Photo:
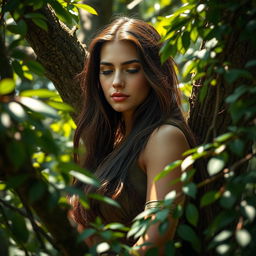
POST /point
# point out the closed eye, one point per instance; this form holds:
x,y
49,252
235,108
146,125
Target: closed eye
x,y
106,72
133,70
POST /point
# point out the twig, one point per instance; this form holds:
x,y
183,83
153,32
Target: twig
x,y
13,208
221,174
226,170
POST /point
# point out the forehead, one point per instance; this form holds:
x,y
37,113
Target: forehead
x,y
118,51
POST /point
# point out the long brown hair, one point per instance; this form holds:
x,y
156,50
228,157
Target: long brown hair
x,y
100,127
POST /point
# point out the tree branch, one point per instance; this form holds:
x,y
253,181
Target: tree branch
x,y
61,54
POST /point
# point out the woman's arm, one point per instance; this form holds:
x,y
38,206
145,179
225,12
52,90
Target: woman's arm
x,y
165,145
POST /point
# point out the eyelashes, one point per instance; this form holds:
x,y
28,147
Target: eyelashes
x,y
106,72
129,70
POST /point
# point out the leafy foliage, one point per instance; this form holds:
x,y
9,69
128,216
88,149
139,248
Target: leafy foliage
x,y
36,131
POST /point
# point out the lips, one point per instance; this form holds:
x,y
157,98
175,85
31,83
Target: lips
x,y
118,96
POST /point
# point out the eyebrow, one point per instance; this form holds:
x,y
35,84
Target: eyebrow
x,y
123,63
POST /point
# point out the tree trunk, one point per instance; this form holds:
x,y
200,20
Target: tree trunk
x,y
61,54
211,118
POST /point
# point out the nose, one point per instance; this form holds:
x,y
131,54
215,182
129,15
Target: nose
x,y
118,80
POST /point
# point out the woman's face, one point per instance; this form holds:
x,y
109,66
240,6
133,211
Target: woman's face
x,y
121,76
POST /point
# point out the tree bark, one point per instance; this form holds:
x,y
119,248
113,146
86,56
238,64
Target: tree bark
x,y
61,54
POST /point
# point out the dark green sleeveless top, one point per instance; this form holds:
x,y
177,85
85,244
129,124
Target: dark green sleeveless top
x,y
132,198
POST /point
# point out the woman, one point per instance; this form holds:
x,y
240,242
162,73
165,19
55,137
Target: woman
x,y
131,126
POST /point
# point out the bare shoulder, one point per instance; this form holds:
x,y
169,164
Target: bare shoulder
x,y
165,144
167,132
167,135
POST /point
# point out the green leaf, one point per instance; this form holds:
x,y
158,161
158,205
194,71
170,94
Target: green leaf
x,y
40,23
18,54
186,40
102,247
152,251
66,167
224,137
250,63
106,234
63,14
18,227
161,215
225,218
17,181
104,199
237,146
179,45
215,165
163,227
16,153
169,249
167,170
84,178
41,93
36,67
190,189
222,236
232,75
10,6
167,50
243,237
136,226
141,231
187,176
239,91
146,213
209,198
227,200
194,34
18,68
192,214
85,234
87,8
20,28
116,226
7,85
16,111
188,67
39,4
34,15
38,106
188,234
36,191
61,106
